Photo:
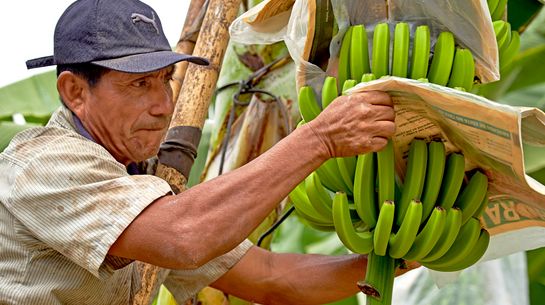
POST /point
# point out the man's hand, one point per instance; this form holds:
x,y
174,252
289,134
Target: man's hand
x,y
355,124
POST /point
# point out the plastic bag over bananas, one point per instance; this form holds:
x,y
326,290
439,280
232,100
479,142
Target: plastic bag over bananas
x,y
311,22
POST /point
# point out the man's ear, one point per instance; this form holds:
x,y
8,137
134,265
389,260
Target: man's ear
x,y
74,90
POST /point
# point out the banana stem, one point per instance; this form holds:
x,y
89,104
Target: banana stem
x,y
379,279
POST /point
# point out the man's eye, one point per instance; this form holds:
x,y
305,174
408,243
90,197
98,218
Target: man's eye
x,y
140,83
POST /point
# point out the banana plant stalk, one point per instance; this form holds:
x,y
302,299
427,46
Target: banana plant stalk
x,y
379,279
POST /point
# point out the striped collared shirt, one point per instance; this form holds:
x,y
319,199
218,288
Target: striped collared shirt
x,y
64,200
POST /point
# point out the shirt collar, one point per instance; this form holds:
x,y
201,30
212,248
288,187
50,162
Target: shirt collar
x,y
132,168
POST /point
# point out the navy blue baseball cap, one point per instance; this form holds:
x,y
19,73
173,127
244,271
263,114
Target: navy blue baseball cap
x,y
123,35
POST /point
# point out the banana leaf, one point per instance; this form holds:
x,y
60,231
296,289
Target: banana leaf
x,y
8,130
520,12
35,98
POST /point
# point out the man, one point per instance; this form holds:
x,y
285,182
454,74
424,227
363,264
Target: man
x,y
73,220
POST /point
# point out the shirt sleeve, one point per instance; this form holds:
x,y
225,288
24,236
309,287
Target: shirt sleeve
x,y
183,284
77,199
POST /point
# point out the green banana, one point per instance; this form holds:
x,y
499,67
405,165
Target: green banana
x,y
308,105
318,196
381,50
483,205
359,55
383,228
329,91
506,58
348,84
316,225
492,4
386,173
434,176
331,177
461,248
357,242
452,180
400,243
400,59
471,197
499,11
364,189
473,257
443,55
343,69
347,167
414,177
367,77
448,236
304,208
502,30
429,236
463,70
421,52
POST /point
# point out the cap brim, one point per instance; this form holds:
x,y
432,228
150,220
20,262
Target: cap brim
x,y
40,62
138,63
148,62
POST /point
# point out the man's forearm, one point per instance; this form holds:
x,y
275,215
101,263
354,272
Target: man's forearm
x,y
306,279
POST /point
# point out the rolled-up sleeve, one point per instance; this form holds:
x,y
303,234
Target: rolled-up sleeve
x,y
183,284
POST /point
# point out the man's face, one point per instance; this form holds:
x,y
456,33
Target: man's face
x,y
129,114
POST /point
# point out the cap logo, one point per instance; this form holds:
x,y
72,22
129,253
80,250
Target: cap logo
x,y
139,17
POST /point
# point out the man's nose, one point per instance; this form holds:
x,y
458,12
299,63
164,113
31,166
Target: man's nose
x,y
162,100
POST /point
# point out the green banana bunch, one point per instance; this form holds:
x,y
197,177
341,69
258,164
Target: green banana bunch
x,y
431,216
449,65
449,239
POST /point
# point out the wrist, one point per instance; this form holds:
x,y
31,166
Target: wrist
x,y
319,141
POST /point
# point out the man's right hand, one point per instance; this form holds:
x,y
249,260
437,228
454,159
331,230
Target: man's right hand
x,y
355,124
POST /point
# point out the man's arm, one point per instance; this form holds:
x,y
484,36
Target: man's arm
x,y
270,278
305,278
191,228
